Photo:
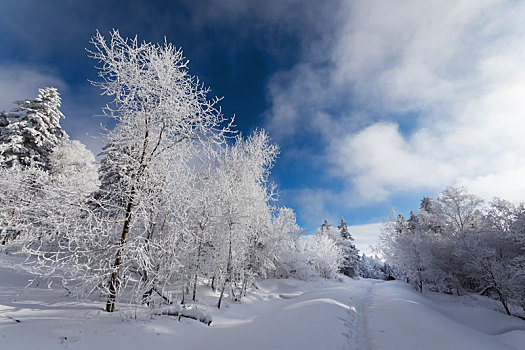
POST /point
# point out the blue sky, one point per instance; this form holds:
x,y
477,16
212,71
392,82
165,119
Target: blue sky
x,y
373,103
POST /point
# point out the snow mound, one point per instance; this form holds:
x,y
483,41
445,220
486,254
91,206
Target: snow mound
x,y
289,295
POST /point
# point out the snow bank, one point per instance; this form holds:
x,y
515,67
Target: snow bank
x,y
401,318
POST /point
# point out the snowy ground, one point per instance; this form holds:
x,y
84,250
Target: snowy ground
x,y
283,314
398,317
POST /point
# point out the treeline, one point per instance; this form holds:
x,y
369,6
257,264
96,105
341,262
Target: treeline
x,y
456,243
177,202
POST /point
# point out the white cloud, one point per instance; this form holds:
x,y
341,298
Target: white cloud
x,y
366,237
442,86
21,82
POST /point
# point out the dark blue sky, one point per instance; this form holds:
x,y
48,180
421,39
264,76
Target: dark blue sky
x,y
235,58
369,101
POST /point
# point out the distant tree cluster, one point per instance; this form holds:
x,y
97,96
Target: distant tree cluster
x,y
333,251
177,201
373,267
456,243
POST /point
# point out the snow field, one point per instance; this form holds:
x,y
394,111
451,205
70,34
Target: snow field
x,y
281,314
359,314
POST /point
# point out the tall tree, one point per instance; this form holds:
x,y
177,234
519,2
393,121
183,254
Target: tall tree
x,y
350,261
326,228
28,136
457,209
159,107
244,209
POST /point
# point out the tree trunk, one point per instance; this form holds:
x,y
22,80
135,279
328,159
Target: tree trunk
x,y
115,278
194,288
228,269
183,301
244,286
222,294
196,271
503,301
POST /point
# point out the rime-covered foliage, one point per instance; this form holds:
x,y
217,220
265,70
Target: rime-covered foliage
x,y
178,201
44,176
20,202
29,134
40,210
161,110
343,240
326,256
456,243
72,165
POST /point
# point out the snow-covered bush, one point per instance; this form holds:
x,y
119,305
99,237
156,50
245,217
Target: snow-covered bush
x,y
74,166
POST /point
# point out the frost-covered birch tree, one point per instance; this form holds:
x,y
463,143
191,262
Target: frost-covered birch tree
x,y
245,194
158,106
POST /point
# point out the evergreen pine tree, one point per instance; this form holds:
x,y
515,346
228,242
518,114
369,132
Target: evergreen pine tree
x,y
350,262
325,229
29,135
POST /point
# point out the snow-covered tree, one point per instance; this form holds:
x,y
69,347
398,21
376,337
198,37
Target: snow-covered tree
x,y
159,108
28,136
327,229
37,204
291,258
349,265
457,209
493,253
325,256
345,243
73,165
244,210
20,202
373,267
405,247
